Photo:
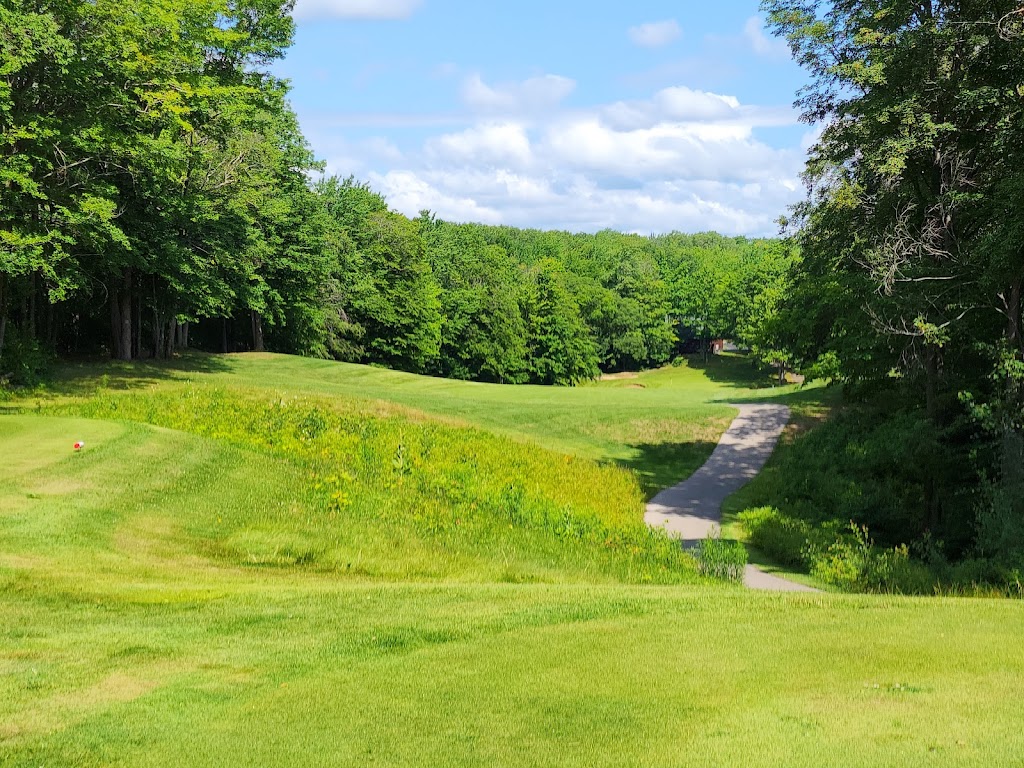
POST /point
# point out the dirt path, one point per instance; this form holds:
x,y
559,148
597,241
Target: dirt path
x,y
692,510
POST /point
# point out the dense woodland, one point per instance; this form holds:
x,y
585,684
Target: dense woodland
x,y
157,193
910,280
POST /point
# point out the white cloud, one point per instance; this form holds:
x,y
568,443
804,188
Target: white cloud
x,y
676,103
579,203
382,148
666,151
410,193
355,9
762,44
655,34
681,102
489,143
536,93
682,159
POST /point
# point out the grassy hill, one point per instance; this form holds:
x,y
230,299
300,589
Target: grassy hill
x,y
663,424
254,562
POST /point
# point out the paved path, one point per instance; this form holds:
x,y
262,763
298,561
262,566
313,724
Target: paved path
x,y
692,510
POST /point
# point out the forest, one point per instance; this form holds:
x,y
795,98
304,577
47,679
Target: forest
x,y
160,196
908,290
157,193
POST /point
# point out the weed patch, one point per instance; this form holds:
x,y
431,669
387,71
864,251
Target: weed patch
x,y
723,559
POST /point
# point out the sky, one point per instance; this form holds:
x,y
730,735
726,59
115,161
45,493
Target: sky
x,y
644,116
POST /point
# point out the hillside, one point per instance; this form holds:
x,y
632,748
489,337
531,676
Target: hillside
x,y
661,423
206,579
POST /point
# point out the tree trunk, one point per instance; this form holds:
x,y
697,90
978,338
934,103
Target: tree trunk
x,y
931,485
3,311
31,325
51,325
172,329
1013,316
137,335
257,331
157,330
224,335
184,335
123,298
931,381
115,324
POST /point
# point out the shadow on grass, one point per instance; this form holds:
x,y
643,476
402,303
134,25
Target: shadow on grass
x,y
804,399
740,372
77,377
733,370
661,465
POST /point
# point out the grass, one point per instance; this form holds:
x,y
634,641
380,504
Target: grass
x,y
663,424
191,597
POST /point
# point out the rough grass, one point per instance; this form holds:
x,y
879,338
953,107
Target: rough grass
x,y
277,482
184,597
663,431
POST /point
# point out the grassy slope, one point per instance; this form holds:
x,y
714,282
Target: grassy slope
x,y
131,635
662,424
127,639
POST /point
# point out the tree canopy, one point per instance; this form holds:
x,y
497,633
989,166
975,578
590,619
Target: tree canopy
x,y
909,283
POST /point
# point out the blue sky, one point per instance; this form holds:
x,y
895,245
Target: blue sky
x,y
645,116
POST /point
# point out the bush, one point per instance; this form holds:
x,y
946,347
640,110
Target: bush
x,y
871,466
781,538
23,360
1001,514
722,559
853,562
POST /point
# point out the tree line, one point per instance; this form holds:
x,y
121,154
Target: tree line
x,y
910,280
156,195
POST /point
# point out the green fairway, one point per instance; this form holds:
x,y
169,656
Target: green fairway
x,y
136,632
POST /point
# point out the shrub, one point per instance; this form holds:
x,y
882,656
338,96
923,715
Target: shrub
x,y
781,538
23,360
722,559
853,562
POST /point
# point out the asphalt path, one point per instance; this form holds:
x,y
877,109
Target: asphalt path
x,y
692,510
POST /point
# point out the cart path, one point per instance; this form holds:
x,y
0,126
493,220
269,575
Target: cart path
x,y
692,510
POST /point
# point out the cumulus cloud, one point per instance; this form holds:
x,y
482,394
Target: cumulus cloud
x,y
411,193
762,44
536,93
682,159
579,202
355,9
667,151
487,144
655,34
678,103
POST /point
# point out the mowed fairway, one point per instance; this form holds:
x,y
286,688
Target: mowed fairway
x,y
137,630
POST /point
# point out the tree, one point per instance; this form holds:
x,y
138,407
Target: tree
x,y
390,293
483,334
561,350
912,196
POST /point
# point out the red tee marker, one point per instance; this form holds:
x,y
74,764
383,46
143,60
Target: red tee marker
x,y
79,445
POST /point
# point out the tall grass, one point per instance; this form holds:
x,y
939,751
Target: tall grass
x,y
404,474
